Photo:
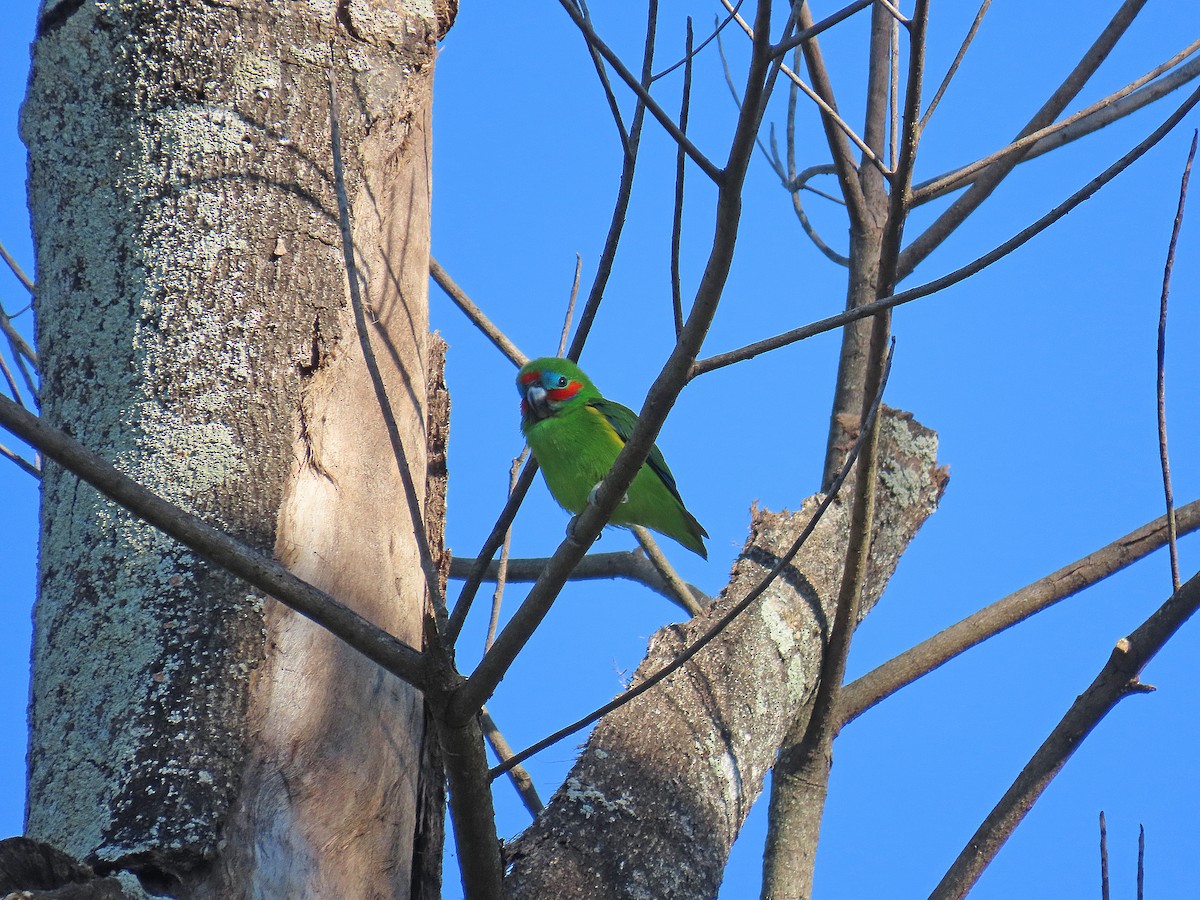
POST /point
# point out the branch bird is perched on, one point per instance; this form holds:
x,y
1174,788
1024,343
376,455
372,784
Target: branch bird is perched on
x,y
575,435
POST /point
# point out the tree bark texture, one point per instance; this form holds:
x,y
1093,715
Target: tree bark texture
x,y
654,802
195,327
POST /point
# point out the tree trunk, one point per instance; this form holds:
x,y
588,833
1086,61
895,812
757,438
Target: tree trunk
x,y
656,798
195,328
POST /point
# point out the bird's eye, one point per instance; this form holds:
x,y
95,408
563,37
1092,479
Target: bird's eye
x,y
562,381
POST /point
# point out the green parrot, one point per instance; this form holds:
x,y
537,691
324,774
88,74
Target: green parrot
x,y
575,435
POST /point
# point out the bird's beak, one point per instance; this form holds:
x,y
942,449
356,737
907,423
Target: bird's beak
x,y
535,398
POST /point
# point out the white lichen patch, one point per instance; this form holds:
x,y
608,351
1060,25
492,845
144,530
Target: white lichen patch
x,y
592,801
783,636
183,459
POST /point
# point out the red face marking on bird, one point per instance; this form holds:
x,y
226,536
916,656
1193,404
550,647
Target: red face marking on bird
x,y
544,392
559,394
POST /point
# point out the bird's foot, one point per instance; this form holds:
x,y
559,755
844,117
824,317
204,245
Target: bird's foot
x,y
591,498
575,537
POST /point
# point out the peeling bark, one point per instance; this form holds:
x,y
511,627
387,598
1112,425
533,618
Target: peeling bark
x,y
674,773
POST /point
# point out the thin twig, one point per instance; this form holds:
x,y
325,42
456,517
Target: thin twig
x,y
690,54
1131,97
826,109
609,95
931,287
896,14
491,544
721,624
517,774
950,73
894,95
1117,679
839,144
1104,892
1164,458
733,91
989,180
12,382
1141,863
679,588
20,347
19,272
631,565
918,661
616,225
21,350
566,329
800,183
417,517
217,547
810,31
502,566
475,314
641,91
677,219
21,462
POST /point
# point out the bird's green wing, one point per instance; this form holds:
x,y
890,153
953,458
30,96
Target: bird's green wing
x,y
624,420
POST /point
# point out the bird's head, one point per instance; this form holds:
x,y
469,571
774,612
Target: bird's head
x,y
549,386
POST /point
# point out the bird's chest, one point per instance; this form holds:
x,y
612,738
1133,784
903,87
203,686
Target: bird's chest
x,y
575,453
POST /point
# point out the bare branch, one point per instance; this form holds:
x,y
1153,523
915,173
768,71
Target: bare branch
x,y
620,207
916,662
677,219
566,329
811,30
1104,893
12,382
1141,863
893,94
609,95
502,566
21,462
895,13
517,774
679,588
20,347
471,809
19,272
737,100
690,54
642,92
466,596
800,183
982,262
987,181
627,564
828,111
1164,458
958,58
217,547
1116,680
839,144
475,314
1091,118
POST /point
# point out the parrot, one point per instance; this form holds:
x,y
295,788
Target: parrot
x,y
575,435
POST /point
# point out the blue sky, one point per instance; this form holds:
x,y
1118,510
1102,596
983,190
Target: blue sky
x,y
1038,375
